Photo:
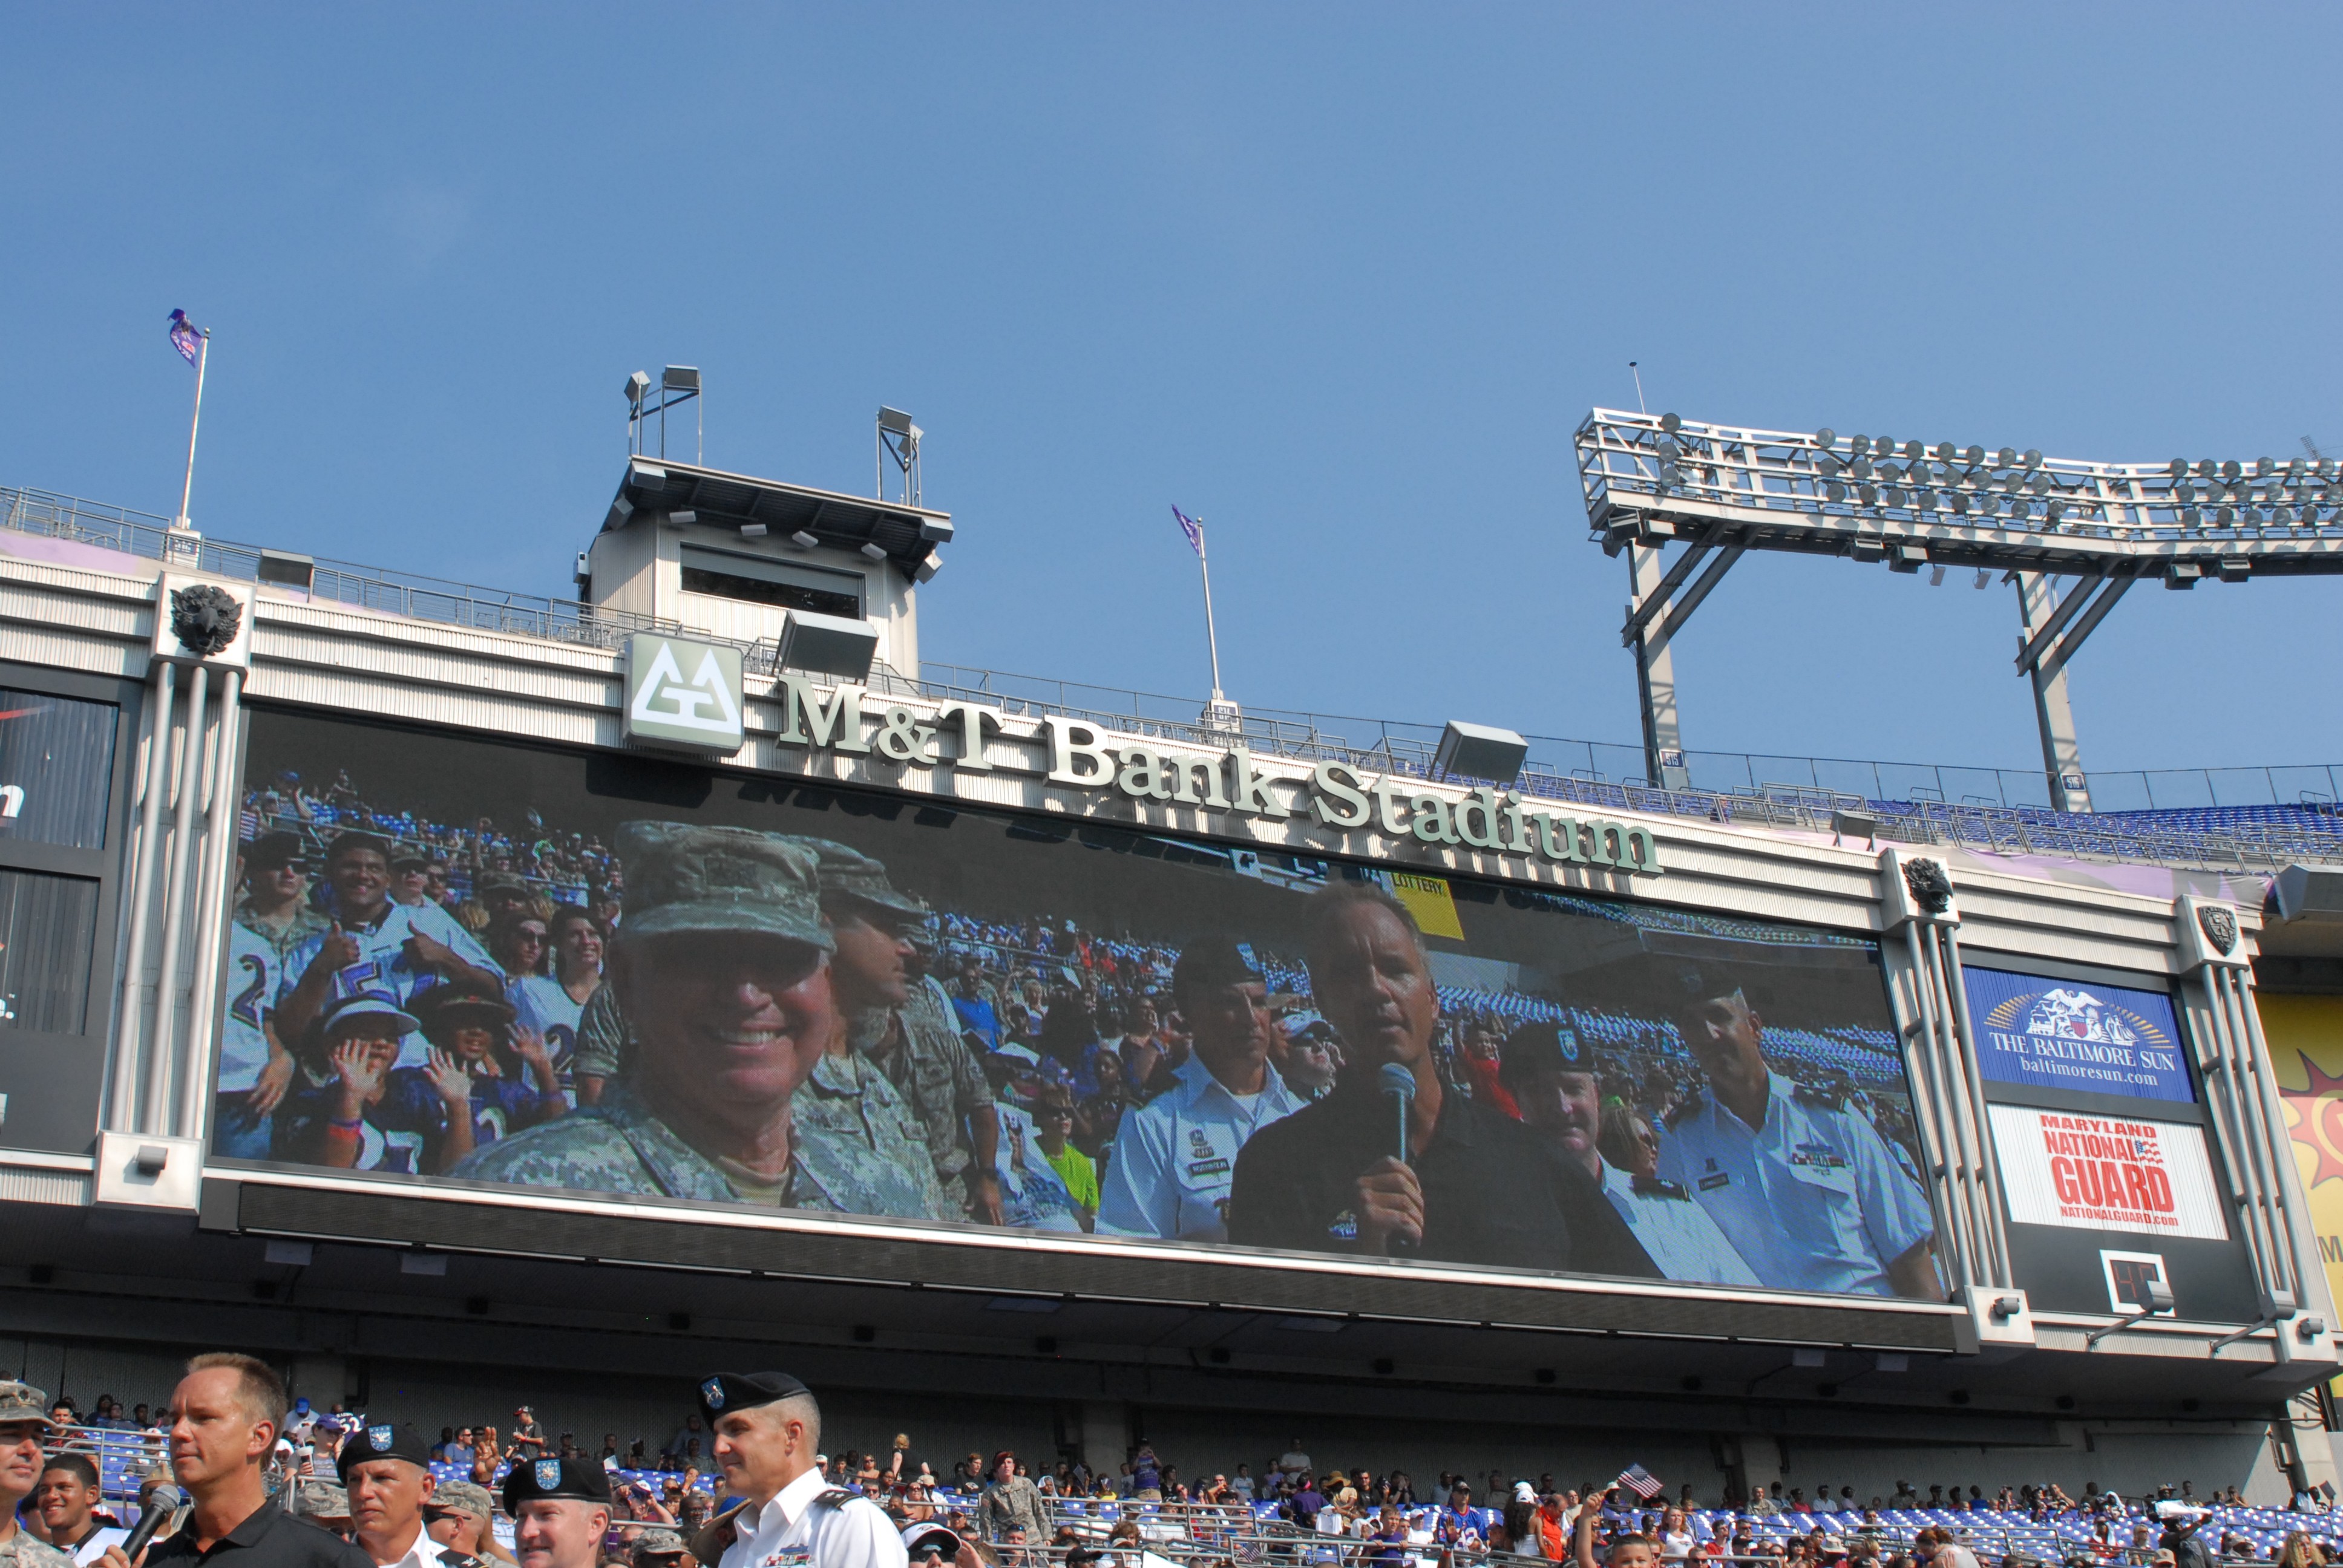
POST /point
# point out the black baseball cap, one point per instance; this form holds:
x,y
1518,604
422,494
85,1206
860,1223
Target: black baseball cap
x,y
382,1440
272,851
720,1392
539,1480
1215,961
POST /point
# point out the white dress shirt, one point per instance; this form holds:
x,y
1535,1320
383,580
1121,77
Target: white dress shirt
x,y
1175,1157
423,1554
791,1532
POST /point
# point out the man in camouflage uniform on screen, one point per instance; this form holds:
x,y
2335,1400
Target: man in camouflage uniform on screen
x,y
722,969
900,1022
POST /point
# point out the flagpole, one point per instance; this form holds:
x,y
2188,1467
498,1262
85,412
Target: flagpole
x,y
1212,633
187,490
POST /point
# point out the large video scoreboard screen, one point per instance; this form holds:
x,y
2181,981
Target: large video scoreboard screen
x,y
472,960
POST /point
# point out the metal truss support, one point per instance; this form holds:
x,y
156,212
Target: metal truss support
x,y
2051,633
1658,606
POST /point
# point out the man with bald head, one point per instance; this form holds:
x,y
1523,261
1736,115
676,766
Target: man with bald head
x,y
1470,1186
767,1434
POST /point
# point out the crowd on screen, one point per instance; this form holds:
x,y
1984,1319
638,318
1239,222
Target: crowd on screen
x,y
1017,1512
404,994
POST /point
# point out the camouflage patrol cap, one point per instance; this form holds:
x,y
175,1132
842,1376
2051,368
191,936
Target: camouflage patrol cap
x,y
23,1401
684,877
462,1497
323,1500
658,1542
849,873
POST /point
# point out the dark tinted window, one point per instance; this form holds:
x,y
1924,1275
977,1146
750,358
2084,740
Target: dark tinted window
x,y
56,768
48,925
789,596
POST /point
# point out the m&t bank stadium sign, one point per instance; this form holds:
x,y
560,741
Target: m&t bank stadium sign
x,y
1229,780
2063,1034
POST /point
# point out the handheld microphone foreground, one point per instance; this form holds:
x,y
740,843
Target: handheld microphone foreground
x,y
1398,1085
162,1504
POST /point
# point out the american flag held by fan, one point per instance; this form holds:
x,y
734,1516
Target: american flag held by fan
x,y
1641,1481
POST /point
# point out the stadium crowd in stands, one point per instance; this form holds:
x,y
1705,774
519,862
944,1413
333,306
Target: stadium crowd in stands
x,y
1017,1511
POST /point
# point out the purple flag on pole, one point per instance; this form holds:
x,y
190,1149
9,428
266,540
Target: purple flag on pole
x,y
186,337
1192,529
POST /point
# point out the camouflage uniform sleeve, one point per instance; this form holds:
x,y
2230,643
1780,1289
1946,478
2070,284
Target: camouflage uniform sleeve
x,y
603,1036
580,1154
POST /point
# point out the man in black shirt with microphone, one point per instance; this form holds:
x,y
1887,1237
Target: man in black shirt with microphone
x,y
224,1417
1469,1187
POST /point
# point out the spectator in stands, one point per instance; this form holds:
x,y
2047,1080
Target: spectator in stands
x,y
1053,1128
272,919
400,947
69,1504
1306,1055
1811,1192
2181,1536
459,1451
1475,1187
721,969
1011,1502
337,1117
510,1072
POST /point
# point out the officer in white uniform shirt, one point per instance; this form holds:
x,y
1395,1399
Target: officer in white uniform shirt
x,y
561,1510
387,1473
1801,1181
768,1439
1175,1157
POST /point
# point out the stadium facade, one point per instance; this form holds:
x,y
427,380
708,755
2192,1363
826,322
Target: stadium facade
x,y
2041,1201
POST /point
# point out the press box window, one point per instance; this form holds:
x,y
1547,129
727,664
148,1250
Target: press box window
x,y
56,768
48,930
757,581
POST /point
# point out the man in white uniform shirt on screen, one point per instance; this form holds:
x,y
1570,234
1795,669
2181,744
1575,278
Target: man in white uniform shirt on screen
x,y
1175,1157
374,944
1800,1182
767,1431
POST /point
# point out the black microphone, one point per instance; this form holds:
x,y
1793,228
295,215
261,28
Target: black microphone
x,y
164,1502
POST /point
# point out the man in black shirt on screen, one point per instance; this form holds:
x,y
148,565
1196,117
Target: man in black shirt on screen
x,y
1474,1187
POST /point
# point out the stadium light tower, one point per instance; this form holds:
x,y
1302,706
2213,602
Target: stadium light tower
x,y
1651,481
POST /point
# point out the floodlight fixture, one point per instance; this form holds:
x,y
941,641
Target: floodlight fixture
x,y
690,517
753,530
874,551
1936,576
638,385
681,379
895,420
898,437
1650,482
803,540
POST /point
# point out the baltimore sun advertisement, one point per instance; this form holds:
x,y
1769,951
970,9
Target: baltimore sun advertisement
x,y
470,960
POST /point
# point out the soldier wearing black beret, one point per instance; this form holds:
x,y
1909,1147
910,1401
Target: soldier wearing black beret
x,y
767,1431
387,1473
560,1510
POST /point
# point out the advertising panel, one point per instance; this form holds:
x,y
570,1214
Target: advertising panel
x,y
2064,1035
2106,1173
2306,1047
475,961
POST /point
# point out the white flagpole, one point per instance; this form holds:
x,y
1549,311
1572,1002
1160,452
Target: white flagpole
x,y
1212,633
186,491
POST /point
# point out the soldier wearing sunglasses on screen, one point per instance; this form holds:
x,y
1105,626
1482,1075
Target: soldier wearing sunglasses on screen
x,y
1800,1181
722,970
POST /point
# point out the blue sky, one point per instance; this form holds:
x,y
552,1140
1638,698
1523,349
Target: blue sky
x,y
1341,280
